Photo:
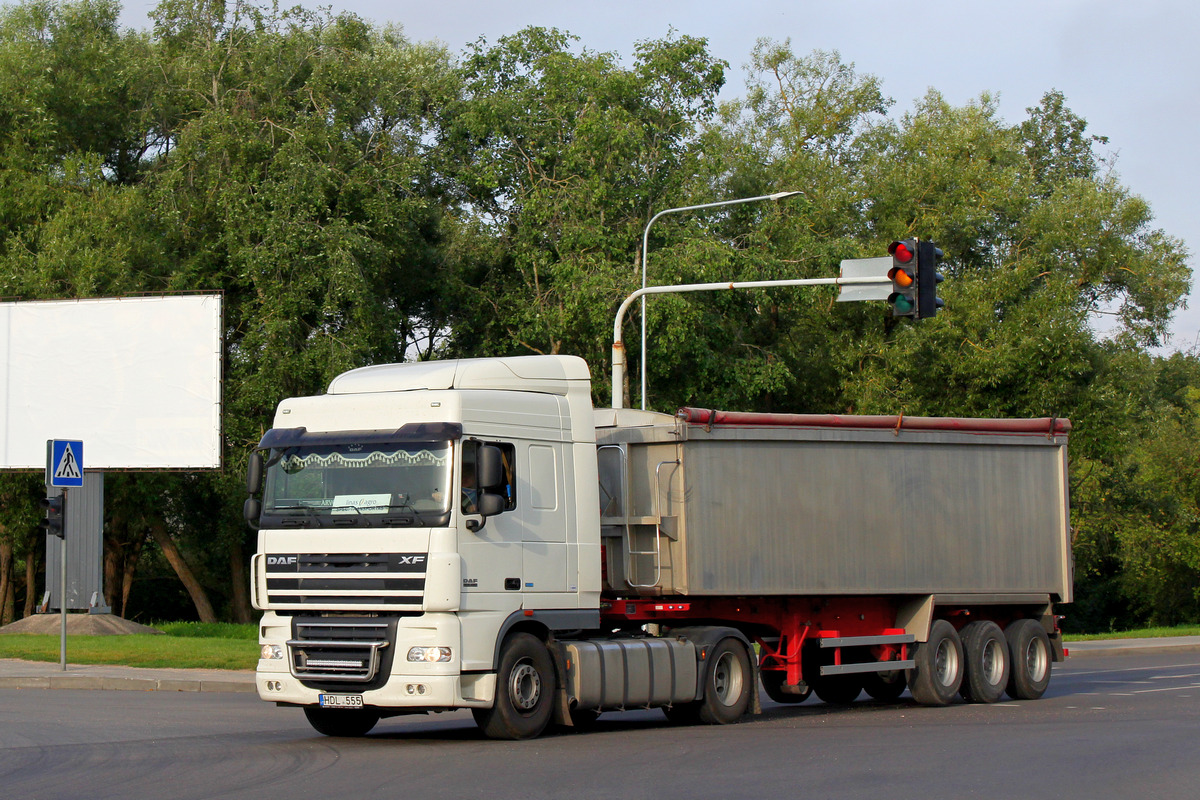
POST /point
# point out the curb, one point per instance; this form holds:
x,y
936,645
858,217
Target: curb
x,y
86,682
1113,647
20,674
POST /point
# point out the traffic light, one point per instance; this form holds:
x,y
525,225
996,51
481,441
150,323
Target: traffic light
x,y
56,511
904,276
928,278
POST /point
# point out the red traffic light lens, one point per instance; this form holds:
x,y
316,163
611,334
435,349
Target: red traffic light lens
x,y
900,252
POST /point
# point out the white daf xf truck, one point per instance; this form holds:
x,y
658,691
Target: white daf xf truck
x,y
473,534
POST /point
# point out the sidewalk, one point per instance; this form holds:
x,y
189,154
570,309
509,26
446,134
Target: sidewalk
x,y
18,674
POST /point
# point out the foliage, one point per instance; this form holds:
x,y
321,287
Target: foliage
x,y
207,630
358,198
559,157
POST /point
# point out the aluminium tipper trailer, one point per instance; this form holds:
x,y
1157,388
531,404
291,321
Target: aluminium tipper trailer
x,y
831,538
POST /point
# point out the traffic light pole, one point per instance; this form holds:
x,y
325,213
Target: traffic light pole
x,y
618,346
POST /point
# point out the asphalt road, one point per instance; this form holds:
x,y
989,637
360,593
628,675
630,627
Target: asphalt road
x,y
1114,726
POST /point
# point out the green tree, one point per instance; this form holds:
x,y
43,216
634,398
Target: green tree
x,y
561,157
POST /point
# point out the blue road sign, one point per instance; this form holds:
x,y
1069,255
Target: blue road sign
x,y
64,463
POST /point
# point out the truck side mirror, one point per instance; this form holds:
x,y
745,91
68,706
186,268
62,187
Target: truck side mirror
x,y
490,504
489,467
254,473
252,510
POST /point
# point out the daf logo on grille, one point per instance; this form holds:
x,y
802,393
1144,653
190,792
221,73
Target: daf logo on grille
x,y
282,561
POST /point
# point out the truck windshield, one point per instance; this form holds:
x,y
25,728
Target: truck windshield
x,y
359,485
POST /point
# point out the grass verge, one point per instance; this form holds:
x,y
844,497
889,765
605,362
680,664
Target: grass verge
x,y
1141,633
184,645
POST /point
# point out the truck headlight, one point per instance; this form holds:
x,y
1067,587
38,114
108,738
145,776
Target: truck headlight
x,y
429,654
271,651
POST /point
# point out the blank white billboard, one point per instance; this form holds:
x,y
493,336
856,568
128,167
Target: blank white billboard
x,y
136,379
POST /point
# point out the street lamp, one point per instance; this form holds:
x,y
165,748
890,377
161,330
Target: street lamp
x,y
618,345
645,247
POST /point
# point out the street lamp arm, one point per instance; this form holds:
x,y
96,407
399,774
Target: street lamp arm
x,y
646,248
618,346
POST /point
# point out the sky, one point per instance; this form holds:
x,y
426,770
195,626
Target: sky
x,y
1132,70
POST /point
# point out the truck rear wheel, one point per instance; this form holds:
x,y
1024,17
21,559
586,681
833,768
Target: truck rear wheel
x,y
938,673
886,686
348,722
1031,658
987,662
838,690
525,686
772,683
728,683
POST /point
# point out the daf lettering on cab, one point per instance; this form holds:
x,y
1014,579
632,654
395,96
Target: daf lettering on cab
x,y
473,534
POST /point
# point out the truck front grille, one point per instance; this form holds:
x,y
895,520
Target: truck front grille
x,y
338,650
346,580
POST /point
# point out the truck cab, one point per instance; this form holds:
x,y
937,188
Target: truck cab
x,y
411,519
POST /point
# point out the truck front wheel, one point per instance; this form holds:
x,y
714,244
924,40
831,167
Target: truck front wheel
x,y
525,686
341,721
938,673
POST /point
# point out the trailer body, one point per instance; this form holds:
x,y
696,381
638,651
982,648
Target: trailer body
x,y
808,505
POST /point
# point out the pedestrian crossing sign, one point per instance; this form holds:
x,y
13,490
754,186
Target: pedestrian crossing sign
x,y
64,464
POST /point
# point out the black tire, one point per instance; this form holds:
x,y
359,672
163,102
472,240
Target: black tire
x,y
582,720
1029,647
772,683
985,650
525,686
837,690
938,673
728,684
683,713
347,722
885,686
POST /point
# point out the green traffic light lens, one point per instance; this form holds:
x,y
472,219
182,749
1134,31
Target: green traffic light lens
x,y
904,304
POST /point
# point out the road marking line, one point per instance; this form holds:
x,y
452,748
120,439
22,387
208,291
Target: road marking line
x,y
1167,689
1069,671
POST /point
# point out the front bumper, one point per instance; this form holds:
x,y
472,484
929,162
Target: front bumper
x,y
363,657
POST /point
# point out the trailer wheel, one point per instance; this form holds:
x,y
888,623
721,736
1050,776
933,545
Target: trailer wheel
x,y
885,686
838,690
525,686
938,673
727,684
347,722
1031,658
987,662
772,683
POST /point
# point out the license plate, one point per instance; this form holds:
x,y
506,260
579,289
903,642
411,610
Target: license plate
x,y
340,700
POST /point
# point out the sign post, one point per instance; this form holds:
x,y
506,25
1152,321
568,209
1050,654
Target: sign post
x,y
64,469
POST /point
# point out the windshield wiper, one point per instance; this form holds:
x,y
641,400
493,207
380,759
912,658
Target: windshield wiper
x,y
309,513
404,520
344,520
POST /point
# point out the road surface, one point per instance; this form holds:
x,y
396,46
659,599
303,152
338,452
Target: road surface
x,y
1111,726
